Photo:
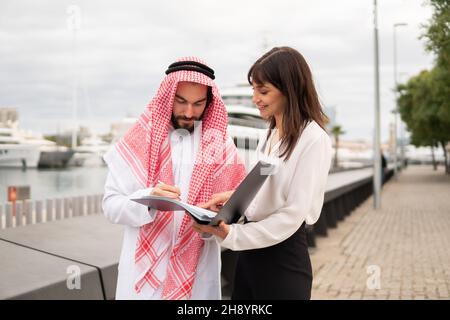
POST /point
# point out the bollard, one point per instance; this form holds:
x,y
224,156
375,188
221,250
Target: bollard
x,y
1,217
28,212
75,209
338,209
9,215
320,227
98,203
347,204
19,213
310,237
330,214
81,205
58,209
90,204
49,210
39,211
94,204
67,207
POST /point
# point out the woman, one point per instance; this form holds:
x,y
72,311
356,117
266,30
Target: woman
x,y
273,260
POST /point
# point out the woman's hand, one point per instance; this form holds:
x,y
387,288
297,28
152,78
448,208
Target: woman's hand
x,y
217,201
221,230
214,204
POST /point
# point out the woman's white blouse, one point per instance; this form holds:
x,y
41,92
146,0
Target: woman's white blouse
x,y
293,194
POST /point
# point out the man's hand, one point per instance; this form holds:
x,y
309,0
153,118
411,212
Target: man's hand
x,y
221,230
166,190
217,201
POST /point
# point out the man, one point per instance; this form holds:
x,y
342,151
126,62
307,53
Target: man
x,y
178,148
383,168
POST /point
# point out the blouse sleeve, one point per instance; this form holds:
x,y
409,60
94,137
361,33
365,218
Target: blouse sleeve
x,y
304,200
119,208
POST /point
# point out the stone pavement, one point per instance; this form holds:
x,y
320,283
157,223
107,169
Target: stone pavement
x,y
400,252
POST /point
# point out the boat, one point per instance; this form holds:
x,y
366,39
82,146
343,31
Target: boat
x,y
55,158
240,94
246,128
52,155
90,152
15,152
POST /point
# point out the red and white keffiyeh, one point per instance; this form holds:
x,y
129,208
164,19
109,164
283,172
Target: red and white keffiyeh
x,y
217,168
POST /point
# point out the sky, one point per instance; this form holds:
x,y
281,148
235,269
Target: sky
x,y
122,49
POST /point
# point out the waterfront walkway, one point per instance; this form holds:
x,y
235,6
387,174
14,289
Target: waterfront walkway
x,y
399,252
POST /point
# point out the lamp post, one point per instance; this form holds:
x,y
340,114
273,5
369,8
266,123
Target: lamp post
x,y
396,25
376,141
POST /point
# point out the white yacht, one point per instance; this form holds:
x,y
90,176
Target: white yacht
x,y
245,123
351,158
90,152
52,155
15,152
240,94
246,128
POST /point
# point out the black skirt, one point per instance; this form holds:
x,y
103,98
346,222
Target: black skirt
x,y
281,271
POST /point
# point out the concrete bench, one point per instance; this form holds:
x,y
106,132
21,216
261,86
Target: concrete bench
x,y
29,274
88,241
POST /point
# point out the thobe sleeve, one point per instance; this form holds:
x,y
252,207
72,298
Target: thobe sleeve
x,y
207,237
118,207
305,199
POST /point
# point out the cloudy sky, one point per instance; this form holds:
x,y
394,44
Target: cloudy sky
x,y
124,47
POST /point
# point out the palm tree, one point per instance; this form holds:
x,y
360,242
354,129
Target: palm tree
x,y
336,131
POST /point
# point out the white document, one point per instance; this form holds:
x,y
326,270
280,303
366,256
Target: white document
x,y
201,215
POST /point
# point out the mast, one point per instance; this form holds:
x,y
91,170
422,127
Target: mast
x,y
74,24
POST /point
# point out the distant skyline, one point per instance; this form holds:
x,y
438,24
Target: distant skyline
x,y
123,49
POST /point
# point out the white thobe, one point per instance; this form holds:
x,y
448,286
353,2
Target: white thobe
x,y
121,186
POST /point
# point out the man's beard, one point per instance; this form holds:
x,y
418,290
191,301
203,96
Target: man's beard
x,y
177,125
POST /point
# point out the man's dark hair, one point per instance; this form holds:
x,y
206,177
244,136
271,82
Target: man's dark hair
x,y
209,96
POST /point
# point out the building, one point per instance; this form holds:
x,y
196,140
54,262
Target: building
x,y
8,116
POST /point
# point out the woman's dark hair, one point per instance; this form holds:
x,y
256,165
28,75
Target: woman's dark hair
x,y
286,69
